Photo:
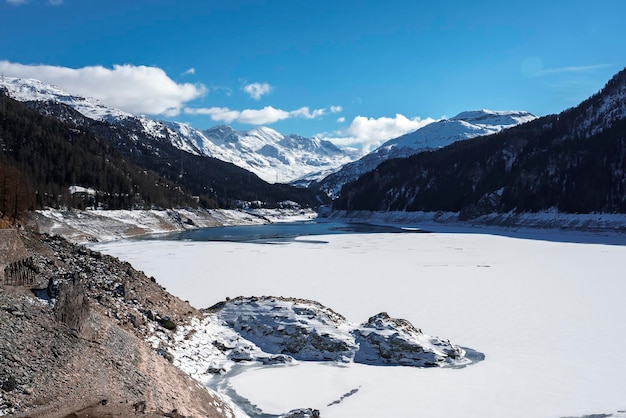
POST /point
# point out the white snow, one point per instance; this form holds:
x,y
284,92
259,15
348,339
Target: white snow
x,y
107,225
465,125
272,156
278,158
80,189
547,313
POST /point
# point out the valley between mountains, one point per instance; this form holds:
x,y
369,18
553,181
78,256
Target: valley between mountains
x,y
515,286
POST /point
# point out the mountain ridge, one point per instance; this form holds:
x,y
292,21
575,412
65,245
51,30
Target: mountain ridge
x,y
573,162
280,161
465,125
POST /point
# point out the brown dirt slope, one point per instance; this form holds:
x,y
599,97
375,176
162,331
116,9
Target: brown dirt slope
x,y
86,355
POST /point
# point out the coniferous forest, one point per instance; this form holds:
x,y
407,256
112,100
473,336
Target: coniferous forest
x,y
43,157
574,162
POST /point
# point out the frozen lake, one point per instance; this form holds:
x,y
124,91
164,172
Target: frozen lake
x,y
548,314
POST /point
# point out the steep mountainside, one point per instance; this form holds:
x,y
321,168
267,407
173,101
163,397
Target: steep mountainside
x,y
278,158
436,135
42,158
76,346
574,162
123,165
263,151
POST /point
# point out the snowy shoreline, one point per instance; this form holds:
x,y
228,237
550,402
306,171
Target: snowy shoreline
x,y
82,226
101,226
591,222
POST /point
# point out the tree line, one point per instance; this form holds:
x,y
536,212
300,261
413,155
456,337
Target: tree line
x,y
574,162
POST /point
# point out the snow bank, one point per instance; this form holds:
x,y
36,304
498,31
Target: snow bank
x,y
590,222
108,225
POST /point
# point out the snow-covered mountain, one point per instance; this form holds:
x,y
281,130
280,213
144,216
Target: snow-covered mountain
x,y
571,162
438,134
272,156
277,158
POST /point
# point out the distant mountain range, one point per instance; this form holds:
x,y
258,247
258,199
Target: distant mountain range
x,y
274,157
53,156
436,135
573,162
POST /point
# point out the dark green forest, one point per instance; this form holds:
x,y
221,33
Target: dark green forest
x,y
42,157
50,156
574,162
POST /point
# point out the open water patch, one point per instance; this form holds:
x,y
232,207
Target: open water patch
x,y
279,233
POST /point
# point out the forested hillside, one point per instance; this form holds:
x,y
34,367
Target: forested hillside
x,y
43,157
217,183
574,162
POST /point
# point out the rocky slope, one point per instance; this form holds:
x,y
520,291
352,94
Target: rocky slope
x,y
77,346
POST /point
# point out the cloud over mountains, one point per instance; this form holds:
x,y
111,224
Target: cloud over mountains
x,y
141,89
135,89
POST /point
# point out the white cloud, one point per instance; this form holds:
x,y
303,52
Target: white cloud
x,y
218,114
256,90
135,89
336,109
341,119
368,133
572,69
190,71
55,2
265,116
305,113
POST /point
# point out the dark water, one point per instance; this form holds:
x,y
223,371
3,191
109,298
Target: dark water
x,y
279,231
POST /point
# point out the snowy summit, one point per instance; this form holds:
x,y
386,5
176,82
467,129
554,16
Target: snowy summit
x,y
274,157
465,125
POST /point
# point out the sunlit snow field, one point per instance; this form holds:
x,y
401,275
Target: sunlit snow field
x,y
549,316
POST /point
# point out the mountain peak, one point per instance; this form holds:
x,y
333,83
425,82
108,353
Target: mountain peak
x,y
465,125
32,90
261,150
495,117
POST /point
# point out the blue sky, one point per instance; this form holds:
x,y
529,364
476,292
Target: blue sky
x,y
357,72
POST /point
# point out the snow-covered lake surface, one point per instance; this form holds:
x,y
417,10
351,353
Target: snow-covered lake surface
x,y
547,309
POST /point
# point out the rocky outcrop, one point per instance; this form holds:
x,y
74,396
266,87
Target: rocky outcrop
x,y
383,340
302,413
306,330
302,329
72,305
273,330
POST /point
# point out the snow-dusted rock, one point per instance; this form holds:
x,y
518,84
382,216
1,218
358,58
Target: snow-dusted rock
x,y
388,341
275,330
305,330
302,413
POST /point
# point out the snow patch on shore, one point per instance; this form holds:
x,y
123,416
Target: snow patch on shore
x,y
108,225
